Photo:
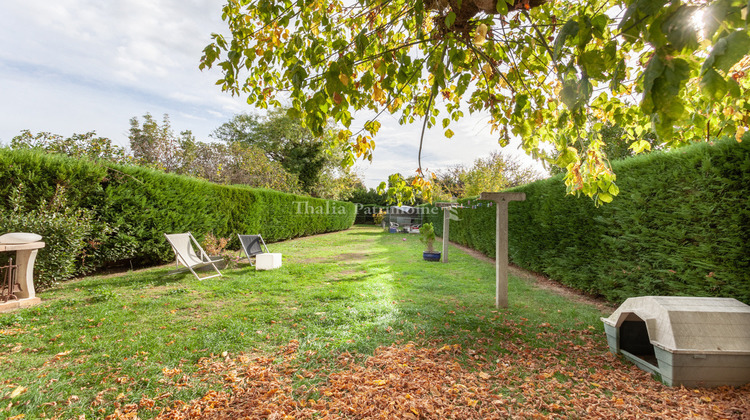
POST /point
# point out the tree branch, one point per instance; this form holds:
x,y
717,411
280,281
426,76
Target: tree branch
x,y
433,91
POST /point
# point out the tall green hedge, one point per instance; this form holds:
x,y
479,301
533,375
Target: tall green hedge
x,y
680,226
135,206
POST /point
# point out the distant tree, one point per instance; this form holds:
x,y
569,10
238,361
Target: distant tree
x,y
336,183
496,173
362,195
448,184
493,173
155,145
78,145
233,164
285,140
240,128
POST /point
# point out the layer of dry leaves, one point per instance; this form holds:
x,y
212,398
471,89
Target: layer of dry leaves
x,y
411,382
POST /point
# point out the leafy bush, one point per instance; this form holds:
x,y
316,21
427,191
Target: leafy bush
x,y
63,229
678,227
427,236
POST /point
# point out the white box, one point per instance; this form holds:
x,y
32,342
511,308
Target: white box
x,y
267,261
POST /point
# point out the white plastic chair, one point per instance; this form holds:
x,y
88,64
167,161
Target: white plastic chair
x,y
182,245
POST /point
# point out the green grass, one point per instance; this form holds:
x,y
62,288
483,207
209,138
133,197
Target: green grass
x,y
104,342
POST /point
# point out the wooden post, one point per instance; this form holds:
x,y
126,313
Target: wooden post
x,y
446,232
501,242
446,226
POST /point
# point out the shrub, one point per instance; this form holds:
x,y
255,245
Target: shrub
x,y
62,228
427,237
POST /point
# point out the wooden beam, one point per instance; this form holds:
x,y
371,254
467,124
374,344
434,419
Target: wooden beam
x,y
501,242
446,226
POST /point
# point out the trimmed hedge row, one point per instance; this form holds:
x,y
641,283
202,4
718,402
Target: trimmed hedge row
x,y
137,206
680,226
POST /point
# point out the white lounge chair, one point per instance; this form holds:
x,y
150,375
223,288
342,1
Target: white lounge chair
x,y
182,245
252,245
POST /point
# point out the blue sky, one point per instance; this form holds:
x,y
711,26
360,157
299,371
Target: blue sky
x,y
73,66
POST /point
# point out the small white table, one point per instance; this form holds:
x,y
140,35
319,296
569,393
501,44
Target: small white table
x,y
25,258
267,261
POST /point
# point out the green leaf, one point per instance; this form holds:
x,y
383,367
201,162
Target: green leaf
x,y
594,63
568,156
502,7
715,13
650,7
599,23
712,85
585,32
450,19
639,146
729,50
522,101
653,71
569,94
605,197
361,41
679,29
618,76
570,29
734,89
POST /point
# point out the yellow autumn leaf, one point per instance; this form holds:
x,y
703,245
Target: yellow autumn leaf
x,y
344,79
481,35
18,391
482,30
395,104
378,95
379,67
379,382
487,69
738,135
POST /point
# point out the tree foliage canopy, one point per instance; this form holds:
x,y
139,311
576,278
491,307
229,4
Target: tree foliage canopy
x,y
551,72
285,140
78,145
495,172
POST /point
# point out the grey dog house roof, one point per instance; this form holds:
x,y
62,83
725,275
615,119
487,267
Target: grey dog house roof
x,y
689,324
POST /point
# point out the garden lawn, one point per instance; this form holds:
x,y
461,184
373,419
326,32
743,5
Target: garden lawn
x,y
354,325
